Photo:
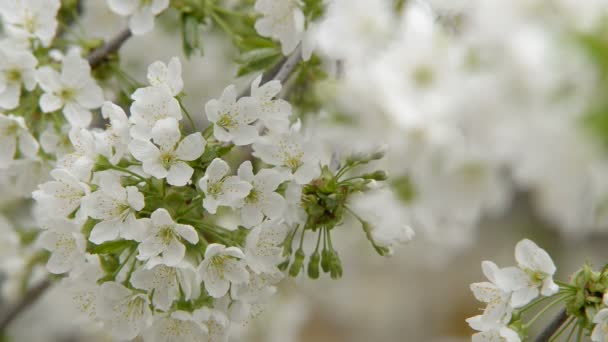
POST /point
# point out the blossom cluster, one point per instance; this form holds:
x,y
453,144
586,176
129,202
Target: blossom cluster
x,y
511,288
155,228
511,292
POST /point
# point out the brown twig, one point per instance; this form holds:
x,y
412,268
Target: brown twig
x,y
29,298
99,55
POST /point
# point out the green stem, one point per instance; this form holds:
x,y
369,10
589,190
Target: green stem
x,y
122,169
579,336
538,301
124,263
187,115
571,333
543,310
562,329
564,284
318,240
302,238
226,11
224,26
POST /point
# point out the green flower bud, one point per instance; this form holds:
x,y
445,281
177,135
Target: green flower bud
x,y
283,266
298,262
325,260
335,266
313,265
378,175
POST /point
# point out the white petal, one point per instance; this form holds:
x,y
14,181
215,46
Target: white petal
x,y
142,21
191,147
91,96
251,216
135,198
77,115
174,253
187,232
245,135
530,256
123,7
28,145
161,217
179,174
104,231
50,102
245,171
523,296
217,170
165,133
213,249
48,79
143,150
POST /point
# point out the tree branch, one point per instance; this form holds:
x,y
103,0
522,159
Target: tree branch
x,y
552,328
99,55
29,298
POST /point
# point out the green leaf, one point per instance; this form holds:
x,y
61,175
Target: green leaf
x,y
250,43
112,247
191,37
257,60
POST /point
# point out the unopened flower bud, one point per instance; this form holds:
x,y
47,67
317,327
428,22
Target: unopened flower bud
x,y
313,265
298,262
378,175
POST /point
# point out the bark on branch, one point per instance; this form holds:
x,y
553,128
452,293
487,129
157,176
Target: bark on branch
x,y
29,298
99,55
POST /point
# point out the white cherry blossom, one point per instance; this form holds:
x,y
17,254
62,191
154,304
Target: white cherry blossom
x,y
17,69
167,282
282,20
537,263
291,152
498,310
113,142
221,267
125,313
73,89
141,13
600,331
167,159
169,75
115,206
30,19
262,200
150,105
163,241
500,333
232,119
14,136
80,162
62,196
176,326
216,321
263,248
221,189
275,112
66,244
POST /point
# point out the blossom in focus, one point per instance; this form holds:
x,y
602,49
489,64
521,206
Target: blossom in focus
x,y
73,89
